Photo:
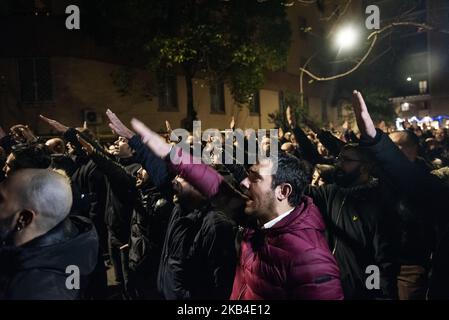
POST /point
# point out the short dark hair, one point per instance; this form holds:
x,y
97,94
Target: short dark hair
x,y
363,153
35,156
293,171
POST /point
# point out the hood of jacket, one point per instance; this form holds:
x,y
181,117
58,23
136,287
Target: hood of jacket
x,y
72,242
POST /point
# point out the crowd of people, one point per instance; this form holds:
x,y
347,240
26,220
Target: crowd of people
x,y
334,215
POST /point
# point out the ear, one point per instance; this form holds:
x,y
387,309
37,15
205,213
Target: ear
x,y
26,217
283,191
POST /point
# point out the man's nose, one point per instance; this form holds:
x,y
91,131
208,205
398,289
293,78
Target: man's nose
x,y
245,183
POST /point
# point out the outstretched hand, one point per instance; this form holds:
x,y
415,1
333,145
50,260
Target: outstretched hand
x,y
232,123
87,147
118,127
55,124
168,126
154,141
362,116
22,133
290,114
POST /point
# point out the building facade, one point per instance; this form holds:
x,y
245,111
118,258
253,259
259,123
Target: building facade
x,y
47,69
428,96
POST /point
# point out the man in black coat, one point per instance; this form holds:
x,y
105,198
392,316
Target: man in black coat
x,y
424,192
361,225
44,255
199,255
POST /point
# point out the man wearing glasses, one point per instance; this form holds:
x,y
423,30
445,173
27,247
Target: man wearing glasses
x,y
360,227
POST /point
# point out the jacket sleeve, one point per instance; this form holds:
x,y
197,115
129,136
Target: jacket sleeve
x,y
320,196
70,136
97,186
219,244
211,185
330,142
204,178
156,167
123,184
314,275
310,153
386,241
404,174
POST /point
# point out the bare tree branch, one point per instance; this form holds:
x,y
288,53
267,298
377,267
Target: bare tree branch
x,y
337,12
373,36
344,74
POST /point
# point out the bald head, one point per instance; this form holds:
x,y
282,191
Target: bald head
x,y
45,192
56,145
408,142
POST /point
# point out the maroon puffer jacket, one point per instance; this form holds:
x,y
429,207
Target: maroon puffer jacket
x,y
293,261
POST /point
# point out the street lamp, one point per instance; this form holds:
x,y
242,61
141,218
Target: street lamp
x,y
409,79
346,37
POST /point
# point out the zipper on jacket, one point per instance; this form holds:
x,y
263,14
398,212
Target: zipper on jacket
x,y
336,223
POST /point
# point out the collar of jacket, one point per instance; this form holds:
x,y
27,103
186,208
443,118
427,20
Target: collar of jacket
x,y
195,213
294,220
127,161
59,233
80,159
361,188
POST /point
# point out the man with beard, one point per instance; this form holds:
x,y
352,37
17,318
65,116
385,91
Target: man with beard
x,y
360,222
38,239
360,225
286,255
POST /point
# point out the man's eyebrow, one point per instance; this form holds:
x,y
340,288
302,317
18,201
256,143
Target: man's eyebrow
x,y
256,173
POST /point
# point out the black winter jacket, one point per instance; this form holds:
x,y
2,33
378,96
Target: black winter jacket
x,y
199,253
199,256
361,229
426,194
37,269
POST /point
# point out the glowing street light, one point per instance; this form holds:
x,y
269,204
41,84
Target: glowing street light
x,y
346,37
409,79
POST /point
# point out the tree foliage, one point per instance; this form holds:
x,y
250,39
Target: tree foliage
x,y
233,42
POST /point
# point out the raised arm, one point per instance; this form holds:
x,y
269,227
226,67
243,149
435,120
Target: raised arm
x,y
205,179
123,183
70,135
310,153
406,175
153,164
